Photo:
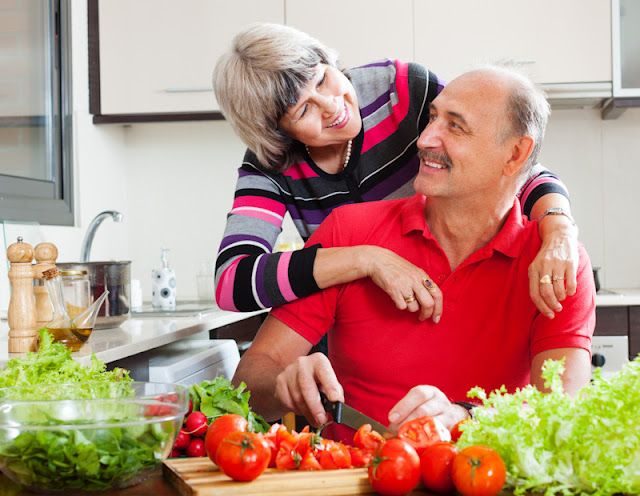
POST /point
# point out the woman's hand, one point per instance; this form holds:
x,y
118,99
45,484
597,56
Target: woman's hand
x,y
298,384
557,259
408,286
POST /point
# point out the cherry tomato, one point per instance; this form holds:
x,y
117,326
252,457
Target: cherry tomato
x,y
456,432
422,432
365,437
395,468
219,429
478,471
243,456
334,455
360,457
435,466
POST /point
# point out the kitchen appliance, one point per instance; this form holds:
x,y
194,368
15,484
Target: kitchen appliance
x,y
114,277
344,414
192,361
609,354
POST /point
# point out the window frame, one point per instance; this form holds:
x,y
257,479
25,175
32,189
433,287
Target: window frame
x,y
34,200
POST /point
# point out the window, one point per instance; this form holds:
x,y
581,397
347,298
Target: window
x,y
35,112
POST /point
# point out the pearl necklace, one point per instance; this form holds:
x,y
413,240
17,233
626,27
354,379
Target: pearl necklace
x,y
346,158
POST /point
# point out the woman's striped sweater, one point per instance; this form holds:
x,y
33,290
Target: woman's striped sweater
x,y
394,102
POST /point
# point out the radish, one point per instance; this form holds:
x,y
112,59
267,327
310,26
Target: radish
x,y
175,453
190,407
196,448
197,424
182,441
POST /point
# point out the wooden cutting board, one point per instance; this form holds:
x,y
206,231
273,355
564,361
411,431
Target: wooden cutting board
x,y
201,477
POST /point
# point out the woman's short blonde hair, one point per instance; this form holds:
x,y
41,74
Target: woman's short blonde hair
x,y
259,78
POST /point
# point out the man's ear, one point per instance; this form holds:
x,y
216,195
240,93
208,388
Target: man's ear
x,y
520,152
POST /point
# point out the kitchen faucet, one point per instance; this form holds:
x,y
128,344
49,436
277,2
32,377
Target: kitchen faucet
x,y
91,231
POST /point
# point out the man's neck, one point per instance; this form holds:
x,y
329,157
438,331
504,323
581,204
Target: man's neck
x,y
461,227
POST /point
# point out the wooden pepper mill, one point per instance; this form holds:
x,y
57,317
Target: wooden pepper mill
x,y
22,311
46,255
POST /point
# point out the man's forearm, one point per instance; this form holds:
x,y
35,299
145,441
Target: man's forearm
x,y
259,373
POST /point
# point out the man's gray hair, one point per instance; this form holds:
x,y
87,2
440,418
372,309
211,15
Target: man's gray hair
x,y
527,109
261,76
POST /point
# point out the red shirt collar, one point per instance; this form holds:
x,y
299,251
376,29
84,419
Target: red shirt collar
x,y
509,240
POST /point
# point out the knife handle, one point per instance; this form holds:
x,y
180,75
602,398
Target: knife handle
x,y
332,407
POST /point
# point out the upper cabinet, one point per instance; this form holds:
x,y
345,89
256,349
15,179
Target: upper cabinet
x,y
566,41
157,56
362,31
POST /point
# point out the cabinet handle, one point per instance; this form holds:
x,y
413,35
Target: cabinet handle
x,y
187,90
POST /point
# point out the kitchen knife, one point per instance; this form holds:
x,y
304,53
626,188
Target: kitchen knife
x,y
345,415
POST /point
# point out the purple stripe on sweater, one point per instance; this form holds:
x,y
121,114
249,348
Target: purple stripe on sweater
x,y
382,63
391,184
378,102
244,173
259,282
241,238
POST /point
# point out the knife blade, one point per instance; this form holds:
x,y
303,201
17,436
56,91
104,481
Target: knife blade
x,y
346,415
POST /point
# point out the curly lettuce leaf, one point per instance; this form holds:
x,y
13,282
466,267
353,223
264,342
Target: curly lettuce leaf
x,y
555,444
52,364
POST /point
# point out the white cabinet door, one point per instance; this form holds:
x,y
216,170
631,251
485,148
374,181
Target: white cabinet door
x,y
556,41
157,56
360,30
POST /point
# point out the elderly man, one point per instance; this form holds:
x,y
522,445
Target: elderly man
x,y
464,228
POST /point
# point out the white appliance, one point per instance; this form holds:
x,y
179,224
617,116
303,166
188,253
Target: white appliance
x,y
192,361
609,354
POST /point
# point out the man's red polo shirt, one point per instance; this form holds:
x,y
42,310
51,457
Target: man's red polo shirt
x,y
489,330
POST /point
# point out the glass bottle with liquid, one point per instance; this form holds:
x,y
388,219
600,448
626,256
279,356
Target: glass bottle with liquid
x,y
76,289
73,332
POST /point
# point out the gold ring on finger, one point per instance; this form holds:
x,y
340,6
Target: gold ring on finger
x,y
545,279
410,299
558,278
428,284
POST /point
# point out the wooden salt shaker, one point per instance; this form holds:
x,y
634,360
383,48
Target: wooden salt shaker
x,y
22,312
46,255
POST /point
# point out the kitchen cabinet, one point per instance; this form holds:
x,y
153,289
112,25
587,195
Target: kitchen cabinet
x,y
620,320
362,31
157,56
556,42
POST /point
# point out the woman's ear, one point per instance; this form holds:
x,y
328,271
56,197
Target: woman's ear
x,y
520,152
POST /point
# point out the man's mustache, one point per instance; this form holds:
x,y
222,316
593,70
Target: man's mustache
x,y
431,156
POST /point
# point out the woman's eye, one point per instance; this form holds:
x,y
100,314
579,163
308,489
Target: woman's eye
x,y
321,82
304,110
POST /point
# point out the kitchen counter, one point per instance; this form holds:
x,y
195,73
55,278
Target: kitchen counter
x,y
618,297
139,334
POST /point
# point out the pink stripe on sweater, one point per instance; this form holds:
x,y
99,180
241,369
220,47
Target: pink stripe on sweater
x,y
283,276
388,126
300,171
534,184
224,290
257,214
260,202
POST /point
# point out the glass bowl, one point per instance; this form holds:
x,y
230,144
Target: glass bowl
x,y
63,438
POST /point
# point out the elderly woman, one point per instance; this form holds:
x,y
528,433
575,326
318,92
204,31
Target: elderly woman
x,y
319,138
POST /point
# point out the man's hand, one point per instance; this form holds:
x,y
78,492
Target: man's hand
x,y
298,384
426,400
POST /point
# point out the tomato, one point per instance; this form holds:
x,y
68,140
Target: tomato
x,y
365,437
219,429
422,432
435,466
360,457
334,455
456,432
478,471
287,459
395,468
243,456
309,462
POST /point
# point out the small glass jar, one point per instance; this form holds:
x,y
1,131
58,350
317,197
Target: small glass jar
x,y
77,290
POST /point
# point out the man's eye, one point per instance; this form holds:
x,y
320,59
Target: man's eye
x,y
432,117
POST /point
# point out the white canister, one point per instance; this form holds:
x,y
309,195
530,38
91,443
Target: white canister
x,y
163,285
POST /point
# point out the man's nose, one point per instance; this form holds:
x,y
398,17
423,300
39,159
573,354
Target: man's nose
x,y
429,138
